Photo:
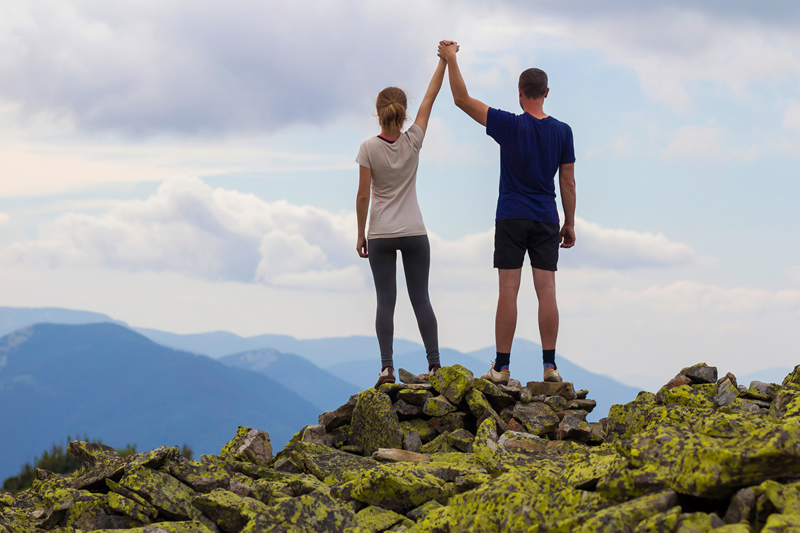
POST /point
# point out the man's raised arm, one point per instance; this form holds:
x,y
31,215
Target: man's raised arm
x,y
472,107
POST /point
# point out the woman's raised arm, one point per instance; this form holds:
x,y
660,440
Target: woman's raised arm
x,y
425,107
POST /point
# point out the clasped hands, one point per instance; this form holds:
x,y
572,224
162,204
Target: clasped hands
x,y
447,49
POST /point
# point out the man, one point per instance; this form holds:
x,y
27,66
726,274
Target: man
x,y
533,147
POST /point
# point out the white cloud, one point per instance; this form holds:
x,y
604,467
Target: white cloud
x,y
224,235
215,234
600,247
670,47
791,118
4,218
204,67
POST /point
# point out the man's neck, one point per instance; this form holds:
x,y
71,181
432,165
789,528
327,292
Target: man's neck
x,y
535,108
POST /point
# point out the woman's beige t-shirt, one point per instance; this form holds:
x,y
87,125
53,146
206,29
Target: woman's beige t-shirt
x,y
395,211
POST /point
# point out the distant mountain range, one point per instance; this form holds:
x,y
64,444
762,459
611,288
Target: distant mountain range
x,y
113,383
322,389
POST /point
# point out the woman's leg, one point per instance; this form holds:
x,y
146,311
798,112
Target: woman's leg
x,y
383,261
416,264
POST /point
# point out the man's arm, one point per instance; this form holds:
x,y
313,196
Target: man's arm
x,y
472,107
362,207
566,182
426,106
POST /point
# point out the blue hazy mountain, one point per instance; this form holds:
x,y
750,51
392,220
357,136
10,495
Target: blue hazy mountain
x,y
14,318
322,389
321,352
111,383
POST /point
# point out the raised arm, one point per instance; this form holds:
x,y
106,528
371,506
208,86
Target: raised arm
x,y
362,208
472,107
425,107
566,182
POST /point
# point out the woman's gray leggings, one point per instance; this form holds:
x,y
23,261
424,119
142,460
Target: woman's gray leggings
x,y
416,264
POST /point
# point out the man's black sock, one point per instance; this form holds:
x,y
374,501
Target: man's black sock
x,y
502,360
549,357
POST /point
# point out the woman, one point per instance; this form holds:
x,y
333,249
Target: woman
x,y
388,166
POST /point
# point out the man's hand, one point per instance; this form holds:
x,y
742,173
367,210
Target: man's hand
x,y
447,49
361,246
567,236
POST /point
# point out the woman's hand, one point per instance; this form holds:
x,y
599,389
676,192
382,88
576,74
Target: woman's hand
x,y
447,46
361,246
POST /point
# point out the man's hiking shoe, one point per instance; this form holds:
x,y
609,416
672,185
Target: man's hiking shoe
x,y
498,378
386,376
552,375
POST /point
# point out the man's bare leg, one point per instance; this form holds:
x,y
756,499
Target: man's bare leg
x,y
544,281
505,323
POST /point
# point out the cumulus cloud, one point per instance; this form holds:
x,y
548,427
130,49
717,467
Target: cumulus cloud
x,y
670,45
223,235
621,249
4,218
204,66
216,234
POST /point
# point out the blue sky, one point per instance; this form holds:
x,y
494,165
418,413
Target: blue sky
x,y
188,166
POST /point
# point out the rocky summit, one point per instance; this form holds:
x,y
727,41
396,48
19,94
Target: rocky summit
x,y
449,452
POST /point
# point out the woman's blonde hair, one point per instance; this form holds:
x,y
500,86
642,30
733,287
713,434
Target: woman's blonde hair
x,y
391,105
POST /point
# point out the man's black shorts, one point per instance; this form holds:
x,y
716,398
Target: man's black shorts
x,y
512,237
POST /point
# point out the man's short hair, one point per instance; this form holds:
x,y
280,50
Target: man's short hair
x,y
533,83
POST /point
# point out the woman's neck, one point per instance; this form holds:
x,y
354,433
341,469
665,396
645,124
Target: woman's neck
x,y
392,135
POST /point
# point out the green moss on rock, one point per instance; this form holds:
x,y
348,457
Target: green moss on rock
x,y
375,424
439,444
229,511
426,432
438,406
399,487
376,519
452,382
171,497
249,445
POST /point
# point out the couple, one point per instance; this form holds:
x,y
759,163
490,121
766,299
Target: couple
x,y
533,147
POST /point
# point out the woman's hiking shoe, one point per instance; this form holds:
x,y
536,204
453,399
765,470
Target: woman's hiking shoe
x,y
497,377
386,376
552,375
432,369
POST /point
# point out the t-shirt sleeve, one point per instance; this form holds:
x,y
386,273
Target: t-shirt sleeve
x,y
499,124
568,150
363,156
416,135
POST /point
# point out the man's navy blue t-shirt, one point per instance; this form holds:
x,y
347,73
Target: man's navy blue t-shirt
x,y
531,151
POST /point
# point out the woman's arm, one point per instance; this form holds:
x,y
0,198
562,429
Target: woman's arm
x,y
362,208
425,107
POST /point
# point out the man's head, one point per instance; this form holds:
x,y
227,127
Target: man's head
x,y
533,83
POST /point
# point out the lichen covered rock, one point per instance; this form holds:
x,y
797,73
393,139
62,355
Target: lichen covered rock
x,y
249,445
375,424
452,382
701,455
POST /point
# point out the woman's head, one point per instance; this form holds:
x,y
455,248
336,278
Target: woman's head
x,y
391,105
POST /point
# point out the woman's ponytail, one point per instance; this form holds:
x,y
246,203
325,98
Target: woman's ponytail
x,y
391,105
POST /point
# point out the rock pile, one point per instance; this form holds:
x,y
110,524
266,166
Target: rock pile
x,y
452,453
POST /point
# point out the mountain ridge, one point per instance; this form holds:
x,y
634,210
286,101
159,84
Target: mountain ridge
x,y
112,383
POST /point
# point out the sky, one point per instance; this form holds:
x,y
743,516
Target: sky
x,y
189,167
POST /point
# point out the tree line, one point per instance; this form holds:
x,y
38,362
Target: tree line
x,y
59,461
